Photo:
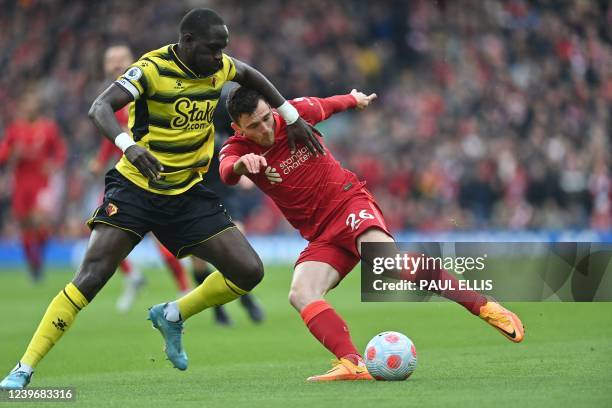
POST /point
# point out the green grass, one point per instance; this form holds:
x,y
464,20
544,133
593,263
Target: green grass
x,y
116,360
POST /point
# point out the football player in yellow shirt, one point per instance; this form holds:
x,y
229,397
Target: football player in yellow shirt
x,y
157,185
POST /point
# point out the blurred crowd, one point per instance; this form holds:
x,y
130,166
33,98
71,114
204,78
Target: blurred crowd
x,y
491,114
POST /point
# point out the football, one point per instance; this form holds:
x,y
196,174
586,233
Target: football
x,y
390,356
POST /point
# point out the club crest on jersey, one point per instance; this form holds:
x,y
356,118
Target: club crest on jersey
x,y
111,209
272,175
133,74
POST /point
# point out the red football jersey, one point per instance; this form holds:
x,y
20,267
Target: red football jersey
x,y
38,146
307,189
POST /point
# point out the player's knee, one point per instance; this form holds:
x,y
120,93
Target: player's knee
x,y
300,297
93,275
252,272
295,298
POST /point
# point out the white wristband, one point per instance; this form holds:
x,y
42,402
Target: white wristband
x,y
288,112
123,141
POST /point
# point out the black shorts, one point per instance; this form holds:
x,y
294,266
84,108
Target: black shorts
x,y
179,221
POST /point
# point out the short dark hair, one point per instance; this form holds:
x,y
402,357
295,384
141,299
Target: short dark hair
x,y
197,21
241,101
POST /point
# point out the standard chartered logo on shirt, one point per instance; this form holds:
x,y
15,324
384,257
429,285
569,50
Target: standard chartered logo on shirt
x,y
295,160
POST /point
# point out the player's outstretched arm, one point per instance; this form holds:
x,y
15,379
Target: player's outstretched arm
x,y
102,113
315,110
298,130
363,100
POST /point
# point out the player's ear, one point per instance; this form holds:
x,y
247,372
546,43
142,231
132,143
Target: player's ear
x,y
186,38
236,127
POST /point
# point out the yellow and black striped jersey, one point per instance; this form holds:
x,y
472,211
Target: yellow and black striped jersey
x,y
172,117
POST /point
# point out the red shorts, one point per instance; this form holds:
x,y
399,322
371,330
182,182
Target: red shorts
x,y
337,245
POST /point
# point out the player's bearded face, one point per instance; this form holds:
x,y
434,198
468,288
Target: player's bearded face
x,y
259,125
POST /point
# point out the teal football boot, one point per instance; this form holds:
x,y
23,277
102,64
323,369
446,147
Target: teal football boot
x,y
172,332
16,380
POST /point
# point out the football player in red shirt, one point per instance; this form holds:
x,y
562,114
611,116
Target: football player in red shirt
x,y
117,59
34,149
332,209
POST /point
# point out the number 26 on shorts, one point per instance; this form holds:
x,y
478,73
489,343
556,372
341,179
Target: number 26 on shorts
x,y
354,220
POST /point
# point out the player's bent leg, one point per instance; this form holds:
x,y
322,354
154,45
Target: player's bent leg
x,y
506,322
200,270
243,268
248,301
311,281
237,274
107,247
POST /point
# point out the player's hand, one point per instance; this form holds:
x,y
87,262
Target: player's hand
x,y
301,131
144,161
363,100
250,163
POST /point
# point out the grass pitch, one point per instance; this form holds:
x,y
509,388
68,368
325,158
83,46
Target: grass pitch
x,y
116,360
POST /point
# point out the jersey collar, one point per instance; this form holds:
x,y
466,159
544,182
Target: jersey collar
x,y
181,64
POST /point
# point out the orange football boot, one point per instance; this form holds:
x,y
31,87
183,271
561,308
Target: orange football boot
x,y
506,322
344,370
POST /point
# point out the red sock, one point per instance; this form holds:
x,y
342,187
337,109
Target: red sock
x,y
329,328
180,276
125,267
469,299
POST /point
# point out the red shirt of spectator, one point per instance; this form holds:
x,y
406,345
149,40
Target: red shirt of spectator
x,y
35,149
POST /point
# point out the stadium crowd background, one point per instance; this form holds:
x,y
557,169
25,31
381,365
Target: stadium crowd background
x,y
490,114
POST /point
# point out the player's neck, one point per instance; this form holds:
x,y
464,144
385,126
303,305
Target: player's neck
x,y
181,55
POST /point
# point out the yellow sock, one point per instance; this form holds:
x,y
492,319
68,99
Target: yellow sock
x,y
57,319
214,291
